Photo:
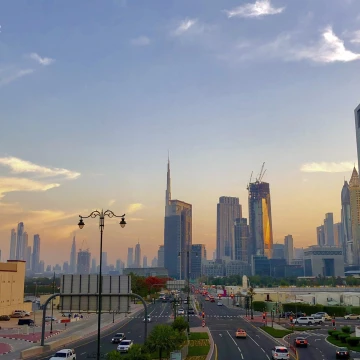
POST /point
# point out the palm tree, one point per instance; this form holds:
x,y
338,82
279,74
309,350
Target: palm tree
x,y
251,294
164,339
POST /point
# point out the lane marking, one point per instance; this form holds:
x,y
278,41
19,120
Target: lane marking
x,y
258,346
242,356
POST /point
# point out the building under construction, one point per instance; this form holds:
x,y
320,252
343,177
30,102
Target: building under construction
x,y
260,223
83,261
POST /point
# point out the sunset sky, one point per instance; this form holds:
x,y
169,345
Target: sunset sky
x,y
93,94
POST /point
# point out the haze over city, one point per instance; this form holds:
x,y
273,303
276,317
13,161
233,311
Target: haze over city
x,y
94,96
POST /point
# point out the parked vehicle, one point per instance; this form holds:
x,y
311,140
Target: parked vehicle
x,y
28,322
68,354
304,320
4,317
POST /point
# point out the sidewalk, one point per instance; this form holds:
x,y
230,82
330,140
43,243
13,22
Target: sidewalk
x,y
85,328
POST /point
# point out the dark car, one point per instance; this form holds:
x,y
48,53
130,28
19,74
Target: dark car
x,y
342,353
300,342
4,318
28,322
118,337
191,311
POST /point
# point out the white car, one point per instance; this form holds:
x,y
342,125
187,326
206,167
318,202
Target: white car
x,y
68,354
125,345
48,318
148,319
304,320
181,311
220,303
352,317
280,352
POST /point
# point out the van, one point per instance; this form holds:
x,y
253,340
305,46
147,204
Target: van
x,y
28,322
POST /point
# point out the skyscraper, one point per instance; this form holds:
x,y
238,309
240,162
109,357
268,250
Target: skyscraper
x,y
198,258
357,129
93,266
145,264
338,235
105,266
168,189
354,188
28,258
241,233
12,245
36,254
329,229
25,242
19,242
260,222
137,255
160,261
228,209
320,235
83,262
289,248
130,257
346,222
154,262
73,257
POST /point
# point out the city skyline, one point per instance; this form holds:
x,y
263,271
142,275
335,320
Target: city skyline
x,y
195,81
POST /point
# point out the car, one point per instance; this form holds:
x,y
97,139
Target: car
x,y
323,314
49,318
342,353
118,338
125,346
17,314
300,341
280,352
352,317
304,320
69,354
148,319
191,311
212,299
237,304
4,318
207,298
219,303
28,322
181,311
240,333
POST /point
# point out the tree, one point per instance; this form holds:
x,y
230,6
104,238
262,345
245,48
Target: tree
x,y
137,352
113,355
179,324
164,339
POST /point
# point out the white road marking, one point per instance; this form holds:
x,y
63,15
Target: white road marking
x,y
258,346
83,353
242,356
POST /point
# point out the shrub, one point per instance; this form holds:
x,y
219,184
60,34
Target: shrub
x,y
330,332
346,329
355,310
343,337
353,341
259,305
336,334
335,310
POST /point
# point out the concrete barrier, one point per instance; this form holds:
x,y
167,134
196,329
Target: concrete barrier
x,y
31,352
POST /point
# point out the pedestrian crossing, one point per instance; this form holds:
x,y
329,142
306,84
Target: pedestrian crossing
x,y
190,315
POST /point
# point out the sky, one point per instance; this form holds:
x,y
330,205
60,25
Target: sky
x,y
94,93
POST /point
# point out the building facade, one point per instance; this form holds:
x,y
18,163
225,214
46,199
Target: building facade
x,y
354,188
346,222
198,256
73,257
12,245
160,260
130,257
329,229
83,262
241,243
278,251
289,248
137,259
19,242
320,235
260,220
36,254
228,210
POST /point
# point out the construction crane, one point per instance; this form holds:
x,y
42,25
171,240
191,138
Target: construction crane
x,y
249,181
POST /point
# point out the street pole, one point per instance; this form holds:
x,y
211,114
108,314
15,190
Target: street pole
x,y
35,307
81,224
188,289
52,307
251,307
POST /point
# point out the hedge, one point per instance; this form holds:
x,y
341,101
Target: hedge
x,y
343,337
312,309
330,332
336,334
346,329
259,305
353,341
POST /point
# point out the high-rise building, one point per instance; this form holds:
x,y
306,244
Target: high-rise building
x,y
354,188
242,235
320,235
278,251
260,221
289,249
83,262
36,254
28,258
145,264
93,266
160,261
177,233
19,242
178,238
105,265
25,243
41,267
298,253
338,235
119,266
130,257
329,229
154,262
12,245
198,258
357,129
346,222
73,257
137,261
66,267
228,209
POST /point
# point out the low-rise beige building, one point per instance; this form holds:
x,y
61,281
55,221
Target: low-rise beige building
x,y
56,301
12,280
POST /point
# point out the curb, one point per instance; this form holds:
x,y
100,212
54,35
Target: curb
x,y
326,340
30,341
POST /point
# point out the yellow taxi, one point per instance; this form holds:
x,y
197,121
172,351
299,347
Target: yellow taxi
x,y
240,333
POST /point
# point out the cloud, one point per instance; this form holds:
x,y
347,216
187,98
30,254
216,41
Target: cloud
x,y
45,61
111,202
330,49
9,184
184,26
328,167
134,219
134,208
355,37
140,41
254,10
19,166
8,76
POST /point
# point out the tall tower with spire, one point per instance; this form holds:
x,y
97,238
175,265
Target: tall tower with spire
x,y
357,129
354,189
168,189
73,256
346,223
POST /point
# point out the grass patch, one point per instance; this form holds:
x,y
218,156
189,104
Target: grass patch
x,y
201,342
276,333
198,335
338,343
198,350
305,328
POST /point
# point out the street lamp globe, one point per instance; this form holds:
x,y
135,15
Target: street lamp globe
x,y
81,223
122,222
